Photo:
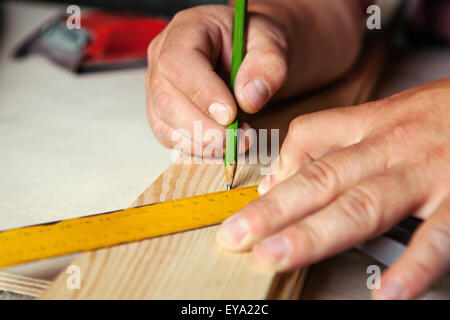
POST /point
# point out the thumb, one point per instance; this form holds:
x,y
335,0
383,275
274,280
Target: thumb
x,y
311,137
262,73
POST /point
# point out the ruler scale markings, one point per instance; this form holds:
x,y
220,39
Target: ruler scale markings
x,y
133,224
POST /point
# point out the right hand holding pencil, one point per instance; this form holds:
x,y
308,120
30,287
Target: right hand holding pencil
x,y
292,46
189,61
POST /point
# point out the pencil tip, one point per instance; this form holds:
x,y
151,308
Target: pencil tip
x,y
229,175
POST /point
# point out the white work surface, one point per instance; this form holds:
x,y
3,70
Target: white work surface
x,y
75,145
70,145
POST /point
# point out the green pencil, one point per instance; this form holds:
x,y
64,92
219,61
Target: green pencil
x,y
231,146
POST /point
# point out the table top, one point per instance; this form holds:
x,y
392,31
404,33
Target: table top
x,y
71,144
79,144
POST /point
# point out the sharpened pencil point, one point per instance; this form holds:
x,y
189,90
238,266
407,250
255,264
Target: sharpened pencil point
x,y
230,171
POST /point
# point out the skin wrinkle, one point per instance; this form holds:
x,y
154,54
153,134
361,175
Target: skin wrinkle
x,y
163,115
323,176
413,174
267,211
420,240
218,29
439,240
363,208
377,162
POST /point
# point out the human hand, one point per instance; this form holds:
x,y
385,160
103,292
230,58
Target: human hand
x,y
182,82
350,174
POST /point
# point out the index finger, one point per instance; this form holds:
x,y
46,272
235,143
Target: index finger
x,y
187,60
361,213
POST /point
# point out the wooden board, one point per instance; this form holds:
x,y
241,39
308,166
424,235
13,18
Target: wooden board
x,y
22,285
189,265
163,268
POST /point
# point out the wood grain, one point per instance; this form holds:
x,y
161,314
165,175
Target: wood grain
x,y
164,268
189,265
22,285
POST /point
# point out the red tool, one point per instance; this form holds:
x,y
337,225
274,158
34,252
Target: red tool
x,y
105,41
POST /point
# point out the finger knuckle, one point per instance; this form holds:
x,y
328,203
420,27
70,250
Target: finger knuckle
x,y
277,33
161,132
181,15
166,63
302,125
423,267
196,94
266,211
151,49
277,60
439,239
426,98
281,40
305,237
163,141
321,176
277,57
296,127
161,106
401,132
361,208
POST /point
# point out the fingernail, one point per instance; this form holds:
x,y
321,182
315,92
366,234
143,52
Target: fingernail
x,y
392,290
264,185
256,92
272,251
232,232
220,112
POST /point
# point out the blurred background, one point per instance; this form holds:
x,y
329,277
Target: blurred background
x,y
165,7
75,144
72,144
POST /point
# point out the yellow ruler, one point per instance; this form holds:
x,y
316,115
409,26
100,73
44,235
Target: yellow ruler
x,y
108,229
